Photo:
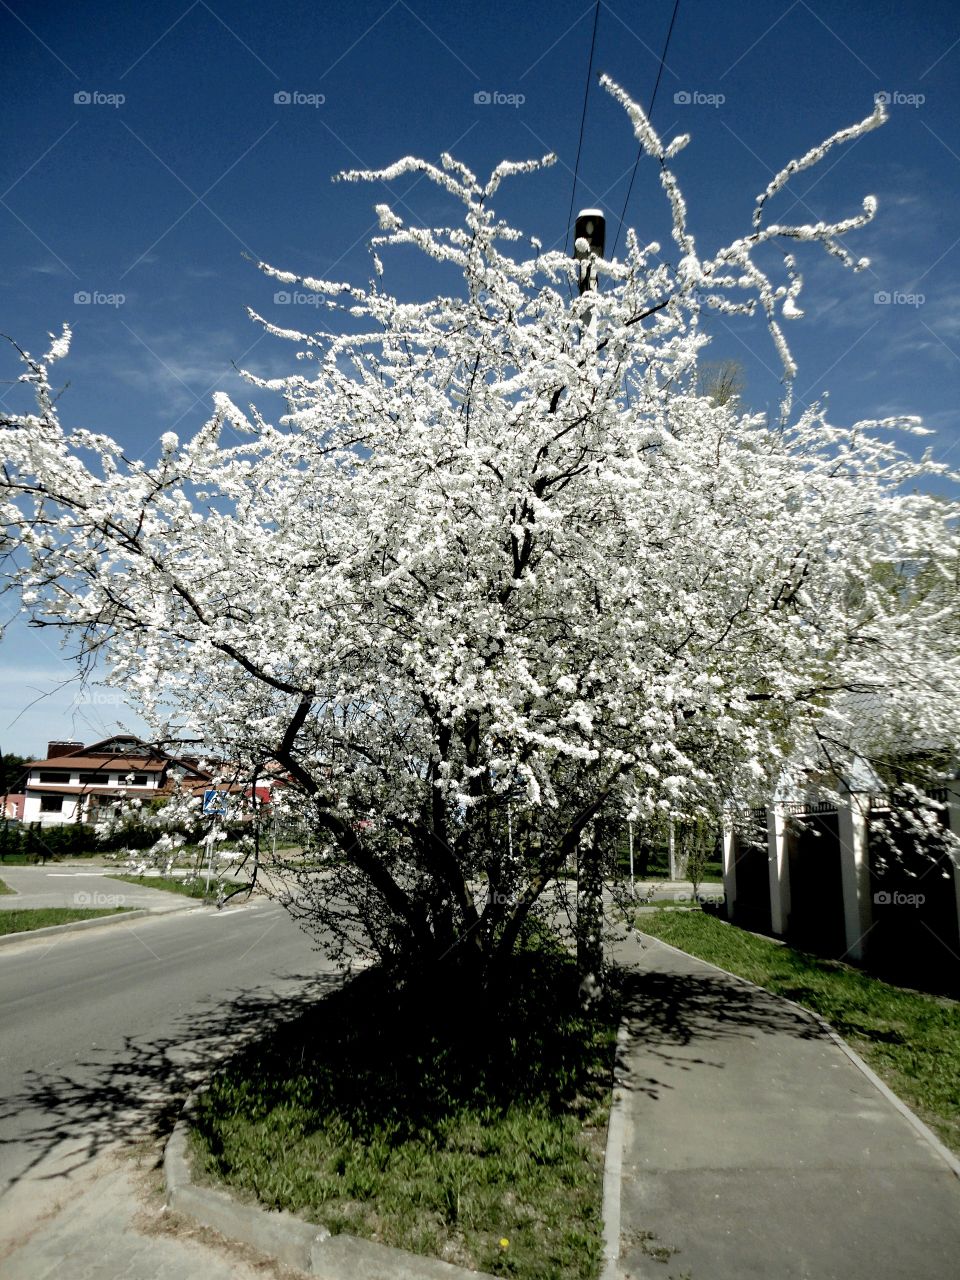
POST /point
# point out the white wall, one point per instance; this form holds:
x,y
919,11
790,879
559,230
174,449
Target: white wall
x,y
31,810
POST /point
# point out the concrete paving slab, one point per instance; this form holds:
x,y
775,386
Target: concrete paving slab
x,y
755,1147
115,1228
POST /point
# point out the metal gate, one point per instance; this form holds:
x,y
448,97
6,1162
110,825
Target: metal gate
x,y
752,904
915,936
816,920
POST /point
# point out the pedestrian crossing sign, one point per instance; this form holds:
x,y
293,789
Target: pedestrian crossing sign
x,y
214,801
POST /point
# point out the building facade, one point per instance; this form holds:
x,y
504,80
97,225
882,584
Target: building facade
x,y
77,783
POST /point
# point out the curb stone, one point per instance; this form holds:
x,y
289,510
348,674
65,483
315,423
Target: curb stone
x,y
279,1234
927,1134
613,1159
73,925
312,1249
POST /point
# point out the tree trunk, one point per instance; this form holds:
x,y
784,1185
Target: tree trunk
x,y
589,927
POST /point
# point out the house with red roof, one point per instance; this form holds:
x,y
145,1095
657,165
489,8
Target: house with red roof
x,y
77,783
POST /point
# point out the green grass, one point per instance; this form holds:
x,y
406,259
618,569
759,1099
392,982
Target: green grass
x,y
431,1121
172,884
673,906
658,868
36,860
5,888
41,917
911,1040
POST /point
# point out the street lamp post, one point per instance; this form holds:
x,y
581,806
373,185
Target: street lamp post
x,y
588,245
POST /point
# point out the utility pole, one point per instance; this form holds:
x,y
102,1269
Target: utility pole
x,y
588,245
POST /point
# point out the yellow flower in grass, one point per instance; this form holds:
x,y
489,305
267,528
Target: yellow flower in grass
x,y
504,1242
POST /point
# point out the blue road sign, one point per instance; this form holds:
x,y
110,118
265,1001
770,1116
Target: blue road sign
x,y
214,802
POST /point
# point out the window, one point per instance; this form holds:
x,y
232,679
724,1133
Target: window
x,y
133,780
51,804
120,747
54,775
94,775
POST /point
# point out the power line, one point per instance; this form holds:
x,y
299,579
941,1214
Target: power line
x,y
583,118
653,98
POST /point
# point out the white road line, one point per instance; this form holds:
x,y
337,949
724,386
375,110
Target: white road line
x,y
227,912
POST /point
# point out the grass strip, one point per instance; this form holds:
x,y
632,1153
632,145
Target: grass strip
x,y
911,1040
21,921
5,888
669,906
468,1129
172,884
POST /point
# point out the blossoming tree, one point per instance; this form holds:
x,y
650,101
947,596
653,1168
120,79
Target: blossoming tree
x,y
501,577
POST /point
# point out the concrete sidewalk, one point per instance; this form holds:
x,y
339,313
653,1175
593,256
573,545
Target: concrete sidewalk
x,y
111,1224
755,1148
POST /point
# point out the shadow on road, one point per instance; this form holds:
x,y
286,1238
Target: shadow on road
x,y
138,1093
667,1012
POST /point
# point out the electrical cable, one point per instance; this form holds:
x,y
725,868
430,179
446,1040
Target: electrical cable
x,y
653,98
583,118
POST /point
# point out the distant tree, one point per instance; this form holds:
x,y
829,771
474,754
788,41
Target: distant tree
x,y
9,840
696,844
722,381
33,844
12,772
502,578
12,777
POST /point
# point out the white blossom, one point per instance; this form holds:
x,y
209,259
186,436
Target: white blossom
x,y
493,555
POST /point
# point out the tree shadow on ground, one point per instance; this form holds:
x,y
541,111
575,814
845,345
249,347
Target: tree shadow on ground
x,y
669,1011
405,1058
526,1043
138,1093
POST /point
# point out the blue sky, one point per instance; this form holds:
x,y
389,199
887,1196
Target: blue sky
x,y
145,154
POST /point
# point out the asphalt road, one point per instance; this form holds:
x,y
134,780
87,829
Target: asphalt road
x,y
104,1032
70,885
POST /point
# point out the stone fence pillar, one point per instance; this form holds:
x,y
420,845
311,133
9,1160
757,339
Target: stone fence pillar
x,y
855,873
729,864
779,869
